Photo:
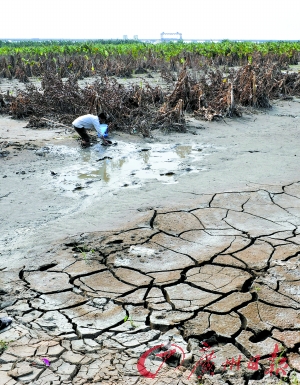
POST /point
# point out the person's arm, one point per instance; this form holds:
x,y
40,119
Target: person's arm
x,y
97,127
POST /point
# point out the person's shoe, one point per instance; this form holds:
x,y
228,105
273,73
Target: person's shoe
x,y
4,323
106,142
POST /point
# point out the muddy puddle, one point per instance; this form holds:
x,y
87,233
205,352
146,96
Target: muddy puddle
x,y
124,165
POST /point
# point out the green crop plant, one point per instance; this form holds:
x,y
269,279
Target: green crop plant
x,y
73,55
85,252
277,359
139,49
294,379
283,380
3,346
129,318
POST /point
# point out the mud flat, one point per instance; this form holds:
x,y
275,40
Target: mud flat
x,y
107,252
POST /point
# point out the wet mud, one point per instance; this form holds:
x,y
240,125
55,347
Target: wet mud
x,y
167,242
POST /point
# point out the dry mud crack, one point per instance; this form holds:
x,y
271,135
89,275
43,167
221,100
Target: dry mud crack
x,y
226,272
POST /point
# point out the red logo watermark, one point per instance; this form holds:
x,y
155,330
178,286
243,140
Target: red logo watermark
x,y
148,368
160,352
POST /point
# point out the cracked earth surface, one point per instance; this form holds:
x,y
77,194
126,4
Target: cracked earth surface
x,y
226,271
152,263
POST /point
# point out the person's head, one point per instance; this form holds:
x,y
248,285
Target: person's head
x,y
102,118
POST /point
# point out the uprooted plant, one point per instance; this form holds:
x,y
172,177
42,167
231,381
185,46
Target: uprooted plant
x,y
208,94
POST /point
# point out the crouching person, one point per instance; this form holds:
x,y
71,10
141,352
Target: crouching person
x,y
87,122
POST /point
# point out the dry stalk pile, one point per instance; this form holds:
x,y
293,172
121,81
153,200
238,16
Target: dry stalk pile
x,y
208,94
211,94
129,108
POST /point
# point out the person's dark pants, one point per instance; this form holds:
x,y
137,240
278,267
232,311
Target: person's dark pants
x,y
83,134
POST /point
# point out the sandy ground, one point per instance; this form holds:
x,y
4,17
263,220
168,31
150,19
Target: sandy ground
x,y
190,235
50,188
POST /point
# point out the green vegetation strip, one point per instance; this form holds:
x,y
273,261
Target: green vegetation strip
x,y
138,49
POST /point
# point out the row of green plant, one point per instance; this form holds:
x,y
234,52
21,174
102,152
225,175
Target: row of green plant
x,y
126,59
167,50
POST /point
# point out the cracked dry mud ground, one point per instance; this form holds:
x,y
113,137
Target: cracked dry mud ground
x,y
226,270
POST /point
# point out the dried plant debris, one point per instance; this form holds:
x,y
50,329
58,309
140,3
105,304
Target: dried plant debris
x,y
208,94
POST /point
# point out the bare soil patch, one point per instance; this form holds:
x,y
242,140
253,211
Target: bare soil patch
x,y
258,149
122,215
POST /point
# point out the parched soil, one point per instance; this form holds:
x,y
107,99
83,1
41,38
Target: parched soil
x,y
171,240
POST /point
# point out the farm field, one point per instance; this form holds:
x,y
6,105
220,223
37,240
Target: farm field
x,y
208,80
187,229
